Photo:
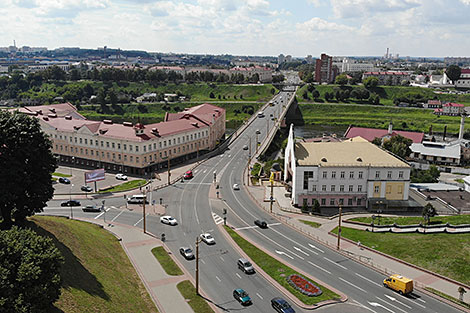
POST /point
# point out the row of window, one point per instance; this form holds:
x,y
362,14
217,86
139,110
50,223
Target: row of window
x,y
341,188
334,202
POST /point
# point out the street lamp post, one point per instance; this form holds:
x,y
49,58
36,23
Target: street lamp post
x,y
70,202
198,241
339,228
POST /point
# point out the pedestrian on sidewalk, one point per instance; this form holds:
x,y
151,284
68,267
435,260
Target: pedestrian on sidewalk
x,y
359,245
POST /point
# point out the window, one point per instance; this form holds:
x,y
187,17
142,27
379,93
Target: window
x,y
145,159
119,157
389,174
114,156
324,174
96,143
136,148
160,145
119,146
314,187
333,175
164,143
125,147
400,174
107,154
351,188
107,144
341,188
136,159
359,201
154,146
332,187
125,157
323,188
350,202
351,174
332,201
389,190
323,201
377,174
102,143
376,189
400,190
360,175
86,150
75,139
130,147
81,149
80,140
341,201
307,175
113,145
178,139
342,175
131,158
145,149
359,188
86,141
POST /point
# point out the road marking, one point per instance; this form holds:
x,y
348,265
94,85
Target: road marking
x,y
370,281
393,299
319,267
238,275
117,216
393,306
375,304
416,302
365,307
259,296
222,259
274,224
99,215
354,285
203,261
218,278
300,250
421,300
334,263
246,227
187,183
217,219
316,248
283,253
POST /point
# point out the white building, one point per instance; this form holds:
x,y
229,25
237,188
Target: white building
x,y
436,152
349,65
464,80
352,173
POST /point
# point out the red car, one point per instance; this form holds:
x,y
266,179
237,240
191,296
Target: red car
x,y
188,175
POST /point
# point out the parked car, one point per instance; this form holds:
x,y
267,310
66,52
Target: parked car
x,y
188,175
245,266
86,188
187,253
207,238
64,180
168,220
261,224
91,208
281,305
245,147
242,296
236,187
70,203
121,176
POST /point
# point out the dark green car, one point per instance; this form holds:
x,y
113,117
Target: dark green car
x,y
242,296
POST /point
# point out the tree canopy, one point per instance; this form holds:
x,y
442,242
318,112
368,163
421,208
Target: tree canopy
x,y
30,271
398,145
341,79
27,165
453,72
371,82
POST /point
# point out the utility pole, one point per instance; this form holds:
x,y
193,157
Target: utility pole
x,y
169,174
339,228
143,210
197,264
256,143
271,179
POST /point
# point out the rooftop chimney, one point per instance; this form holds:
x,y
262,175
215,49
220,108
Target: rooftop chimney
x,y
390,128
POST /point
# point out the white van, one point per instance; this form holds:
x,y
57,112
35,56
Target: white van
x,y
137,199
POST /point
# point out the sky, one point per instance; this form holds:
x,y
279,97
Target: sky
x,y
432,28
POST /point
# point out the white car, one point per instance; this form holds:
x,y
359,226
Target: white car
x,y
168,220
236,187
121,176
207,238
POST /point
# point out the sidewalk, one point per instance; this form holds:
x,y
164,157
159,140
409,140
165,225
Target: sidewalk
x,y
161,286
379,261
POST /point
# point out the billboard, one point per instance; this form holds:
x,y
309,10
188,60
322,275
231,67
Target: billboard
x,y
95,175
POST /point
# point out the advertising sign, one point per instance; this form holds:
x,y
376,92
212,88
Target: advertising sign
x,y
95,175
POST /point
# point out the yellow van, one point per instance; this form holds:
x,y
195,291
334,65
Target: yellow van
x,y
399,283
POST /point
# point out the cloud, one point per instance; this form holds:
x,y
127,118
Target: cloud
x,y
61,8
317,24
360,8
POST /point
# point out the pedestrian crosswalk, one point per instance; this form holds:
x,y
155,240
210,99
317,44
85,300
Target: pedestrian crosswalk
x,y
217,219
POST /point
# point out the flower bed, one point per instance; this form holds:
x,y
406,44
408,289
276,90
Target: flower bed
x,y
303,285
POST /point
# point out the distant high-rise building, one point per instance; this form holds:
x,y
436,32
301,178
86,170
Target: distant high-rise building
x,y
281,59
325,72
288,58
309,59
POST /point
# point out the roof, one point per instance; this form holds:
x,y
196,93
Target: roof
x,y
437,149
204,112
465,71
352,152
60,109
454,105
386,73
372,133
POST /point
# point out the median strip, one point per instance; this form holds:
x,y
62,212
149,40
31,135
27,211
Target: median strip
x,y
196,302
170,267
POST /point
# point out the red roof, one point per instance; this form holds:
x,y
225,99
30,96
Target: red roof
x,y
454,105
386,73
465,71
372,133
434,102
60,109
204,112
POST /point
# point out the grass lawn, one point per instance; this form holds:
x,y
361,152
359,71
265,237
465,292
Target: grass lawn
x,y
446,254
61,174
97,274
197,303
279,271
166,261
310,223
132,184
413,220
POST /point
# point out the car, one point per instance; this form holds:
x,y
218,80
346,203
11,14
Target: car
x,y
86,188
260,114
121,176
236,187
64,180
187,253
168,220
188,175
261,224
281,305
91,208
245,147
245,266
70,203
242,296
207,238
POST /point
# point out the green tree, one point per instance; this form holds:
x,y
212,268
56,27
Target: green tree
x,y
428,212
211,95
453,72
316,206
315,94
371,82
398,145
310,87
341,79
377,141
30,266
27,164
305,95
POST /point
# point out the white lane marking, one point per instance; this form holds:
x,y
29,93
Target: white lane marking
x,y
217,219
218,278
238,275
416,302
393,299
300,250
204,171
393,306
274,224
375,304
117,216
319,267
187,183
246,227
222,259
140,220
203,261
369,280
365,307
354,285
99,215
283,253
294,241
259,296
334,263
316,248
421,300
